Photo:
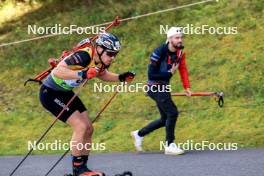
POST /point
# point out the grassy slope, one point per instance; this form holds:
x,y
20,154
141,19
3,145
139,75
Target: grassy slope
x,y
229,63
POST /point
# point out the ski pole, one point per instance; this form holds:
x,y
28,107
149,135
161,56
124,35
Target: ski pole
x,y
95,119
218,95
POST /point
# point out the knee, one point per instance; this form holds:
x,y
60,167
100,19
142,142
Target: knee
x,y
85,129
163,121
173,114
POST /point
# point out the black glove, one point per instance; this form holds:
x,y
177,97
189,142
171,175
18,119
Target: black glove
x,y
126,77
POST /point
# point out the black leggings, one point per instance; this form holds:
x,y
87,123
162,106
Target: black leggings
x,y
54,102
168,115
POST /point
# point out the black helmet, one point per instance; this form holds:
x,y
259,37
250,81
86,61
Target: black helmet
x,y
108,41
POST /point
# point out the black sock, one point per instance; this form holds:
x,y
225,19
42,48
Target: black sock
x,y
169,142
85,159
79,164
79,160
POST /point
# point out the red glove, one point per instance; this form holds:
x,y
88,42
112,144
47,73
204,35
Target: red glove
x,y
90,73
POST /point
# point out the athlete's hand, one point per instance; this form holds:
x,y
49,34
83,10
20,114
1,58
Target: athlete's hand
x,y
188,92
127,76
90,73
174,68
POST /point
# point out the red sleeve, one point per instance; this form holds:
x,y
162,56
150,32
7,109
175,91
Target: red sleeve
x,y
184,73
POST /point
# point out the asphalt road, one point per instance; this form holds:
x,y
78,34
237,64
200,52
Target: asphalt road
x,y
243,162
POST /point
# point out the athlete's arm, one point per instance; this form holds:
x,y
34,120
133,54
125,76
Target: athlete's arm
x,y
108,76
62,71
113,77
70,67
184,76
184,73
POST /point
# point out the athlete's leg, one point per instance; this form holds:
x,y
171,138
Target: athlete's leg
x,y
154,125
168,106
82,133
82,136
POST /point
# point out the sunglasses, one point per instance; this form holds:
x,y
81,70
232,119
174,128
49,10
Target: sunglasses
x,y
111,53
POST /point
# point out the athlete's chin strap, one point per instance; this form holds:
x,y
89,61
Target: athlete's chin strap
x,y
100,56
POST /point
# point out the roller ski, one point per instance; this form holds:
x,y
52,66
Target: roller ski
x,y
90,173
93,173
79,168
84,171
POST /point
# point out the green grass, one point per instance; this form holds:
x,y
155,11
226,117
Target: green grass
x,y
228,63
